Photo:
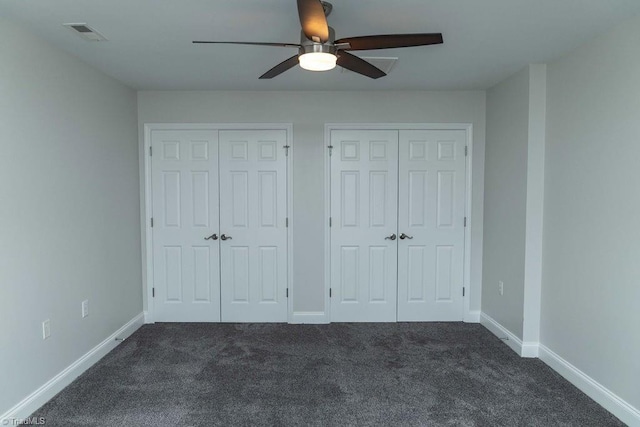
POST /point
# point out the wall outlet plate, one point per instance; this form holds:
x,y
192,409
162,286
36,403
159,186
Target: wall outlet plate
x,y
85,308
501,287
46,329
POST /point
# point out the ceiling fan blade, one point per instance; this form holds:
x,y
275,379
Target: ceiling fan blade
x,y
390,41
358,65
249,43
281,67
313,21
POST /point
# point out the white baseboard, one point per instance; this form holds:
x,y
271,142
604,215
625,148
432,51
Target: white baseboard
x,y
148,318
602,395
530,349
527,349
320,317
44,393
472,317
315,317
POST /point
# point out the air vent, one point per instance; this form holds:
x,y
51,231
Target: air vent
x,y
86,32
384,64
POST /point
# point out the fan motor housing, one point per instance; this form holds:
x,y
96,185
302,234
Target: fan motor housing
x,y
317,47
308,46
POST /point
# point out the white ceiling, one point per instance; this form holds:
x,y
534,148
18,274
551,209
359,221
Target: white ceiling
x,y
150,46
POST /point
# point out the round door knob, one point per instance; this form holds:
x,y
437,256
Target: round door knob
x,y
225,237
404,236
214,236
392,237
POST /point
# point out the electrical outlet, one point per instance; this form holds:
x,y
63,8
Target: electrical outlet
x,y
501,287
46,329
85,308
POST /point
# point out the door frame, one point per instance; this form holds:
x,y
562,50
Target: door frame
x,y
146,200
468,284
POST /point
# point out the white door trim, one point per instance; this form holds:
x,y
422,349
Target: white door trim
x,y
470,286
146,199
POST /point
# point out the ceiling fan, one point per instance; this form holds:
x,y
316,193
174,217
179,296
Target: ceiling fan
x,y
318,49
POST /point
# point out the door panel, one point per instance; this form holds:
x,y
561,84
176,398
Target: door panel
x,y
364,173
253,183
186,275
431,211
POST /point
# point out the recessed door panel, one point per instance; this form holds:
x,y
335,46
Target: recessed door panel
x,y
364,173
239,198
350,198
173,273
416,256
378,201
186,275
171,198
268,194
202,273
444,273
200,198
239,276
446,198
417,198
377,275
268,274
350,274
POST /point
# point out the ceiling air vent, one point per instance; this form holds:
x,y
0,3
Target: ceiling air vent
x,y
384,64
86,32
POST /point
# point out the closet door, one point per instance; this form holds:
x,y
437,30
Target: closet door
x,y
186,275
431,225
253,203
364,185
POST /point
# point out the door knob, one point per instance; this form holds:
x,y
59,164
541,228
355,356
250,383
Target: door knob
x,y
214,236
225,237
404,236
392,237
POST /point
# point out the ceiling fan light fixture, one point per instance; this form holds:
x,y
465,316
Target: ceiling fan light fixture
x,y
318,61
319,50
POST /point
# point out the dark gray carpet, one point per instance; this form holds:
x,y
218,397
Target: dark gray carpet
x,y
327,375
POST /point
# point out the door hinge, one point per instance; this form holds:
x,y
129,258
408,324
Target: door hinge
x,y
465,221
462,291
466,151
330,149
286,149
153,292
286,222
287,292
329,221
151,222
151,151
329,292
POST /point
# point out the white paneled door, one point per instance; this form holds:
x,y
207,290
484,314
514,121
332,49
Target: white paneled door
x,y
397,225
219,232
431,225
364,186
186,277
253,202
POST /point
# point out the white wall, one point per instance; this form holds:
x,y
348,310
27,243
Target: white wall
x,y
309,111
591,245
69,210
505,201
513,206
